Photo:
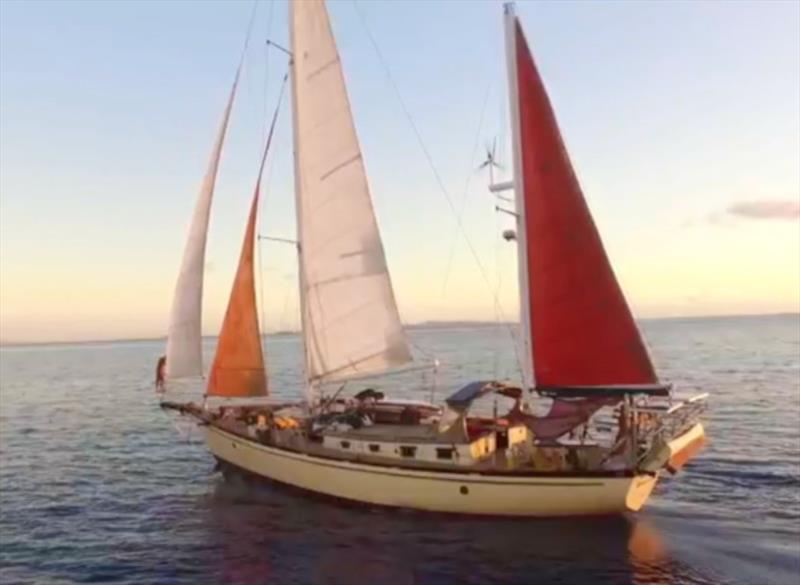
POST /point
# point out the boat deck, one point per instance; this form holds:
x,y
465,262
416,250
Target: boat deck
x,y
499,461
573,456
418,434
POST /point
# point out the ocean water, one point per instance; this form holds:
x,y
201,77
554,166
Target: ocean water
x,y
97,484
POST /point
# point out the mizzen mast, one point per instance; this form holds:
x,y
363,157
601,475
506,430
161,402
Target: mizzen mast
x,y
518,185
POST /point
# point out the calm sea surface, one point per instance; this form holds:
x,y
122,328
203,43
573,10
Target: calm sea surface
x,y
98,485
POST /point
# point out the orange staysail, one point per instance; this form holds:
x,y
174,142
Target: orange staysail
x,y
582,332
238,368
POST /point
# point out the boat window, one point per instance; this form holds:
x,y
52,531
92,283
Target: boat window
x,y
374,447
345,444
406,451
444,452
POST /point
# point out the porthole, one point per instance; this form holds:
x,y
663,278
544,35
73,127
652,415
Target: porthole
x,y
374,447
406,451
345,444
464,490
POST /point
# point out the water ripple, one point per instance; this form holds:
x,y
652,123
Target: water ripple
x,y
96,486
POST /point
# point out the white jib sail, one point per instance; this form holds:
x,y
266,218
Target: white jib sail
x,y
351,325
184,340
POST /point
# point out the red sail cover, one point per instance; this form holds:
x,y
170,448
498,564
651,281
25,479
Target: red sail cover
x,y
583,333
238,368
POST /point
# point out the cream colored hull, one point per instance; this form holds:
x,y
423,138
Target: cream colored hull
x,y
461,493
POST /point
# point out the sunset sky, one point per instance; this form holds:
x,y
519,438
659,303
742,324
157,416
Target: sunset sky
x,y
682,120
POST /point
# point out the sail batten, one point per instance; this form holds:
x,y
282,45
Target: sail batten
x,y
351,325
184,337
582,331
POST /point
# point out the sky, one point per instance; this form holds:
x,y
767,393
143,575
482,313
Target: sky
x,y
682,120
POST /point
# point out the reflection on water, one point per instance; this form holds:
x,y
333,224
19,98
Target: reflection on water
x,y
97,486
265,529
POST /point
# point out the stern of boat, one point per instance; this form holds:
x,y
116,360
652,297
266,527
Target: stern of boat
x,y
639,491
678,437
685,446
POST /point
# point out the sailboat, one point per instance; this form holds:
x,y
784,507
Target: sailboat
x,y
583,355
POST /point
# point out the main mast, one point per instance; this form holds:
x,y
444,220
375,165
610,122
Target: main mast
x,y
307,382
519,198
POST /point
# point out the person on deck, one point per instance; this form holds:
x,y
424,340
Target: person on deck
x,y
161,373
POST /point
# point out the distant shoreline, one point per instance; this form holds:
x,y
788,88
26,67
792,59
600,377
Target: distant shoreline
x,y
424,325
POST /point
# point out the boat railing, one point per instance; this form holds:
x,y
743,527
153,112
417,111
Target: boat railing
x,y
669,421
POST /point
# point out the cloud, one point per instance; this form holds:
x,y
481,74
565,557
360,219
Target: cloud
x,y
758,209
785,209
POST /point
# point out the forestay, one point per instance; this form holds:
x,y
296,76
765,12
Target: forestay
x,y
350,319
184,339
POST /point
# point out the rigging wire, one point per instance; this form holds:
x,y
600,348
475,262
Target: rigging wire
x,y
249,33
261,289
466,185
495,356
282,322
437,176
266,67
422,145
267,182
266,186
268,140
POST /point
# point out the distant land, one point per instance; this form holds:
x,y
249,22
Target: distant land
x,y
460,324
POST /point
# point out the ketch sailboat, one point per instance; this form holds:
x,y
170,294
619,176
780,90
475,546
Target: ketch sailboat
x,y
581,348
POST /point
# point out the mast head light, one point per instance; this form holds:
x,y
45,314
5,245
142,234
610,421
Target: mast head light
x,y
509,235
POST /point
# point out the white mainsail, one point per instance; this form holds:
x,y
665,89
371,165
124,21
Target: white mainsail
x,y
184,340
351,325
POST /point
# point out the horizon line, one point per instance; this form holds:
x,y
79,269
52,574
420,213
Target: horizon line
x,y
431,323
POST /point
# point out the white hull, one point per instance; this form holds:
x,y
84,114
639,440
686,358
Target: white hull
x,y
453,492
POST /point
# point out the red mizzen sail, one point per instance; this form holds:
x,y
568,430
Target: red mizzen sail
x,y
582,332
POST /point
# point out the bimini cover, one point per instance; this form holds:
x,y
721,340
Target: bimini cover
x,y
469,393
